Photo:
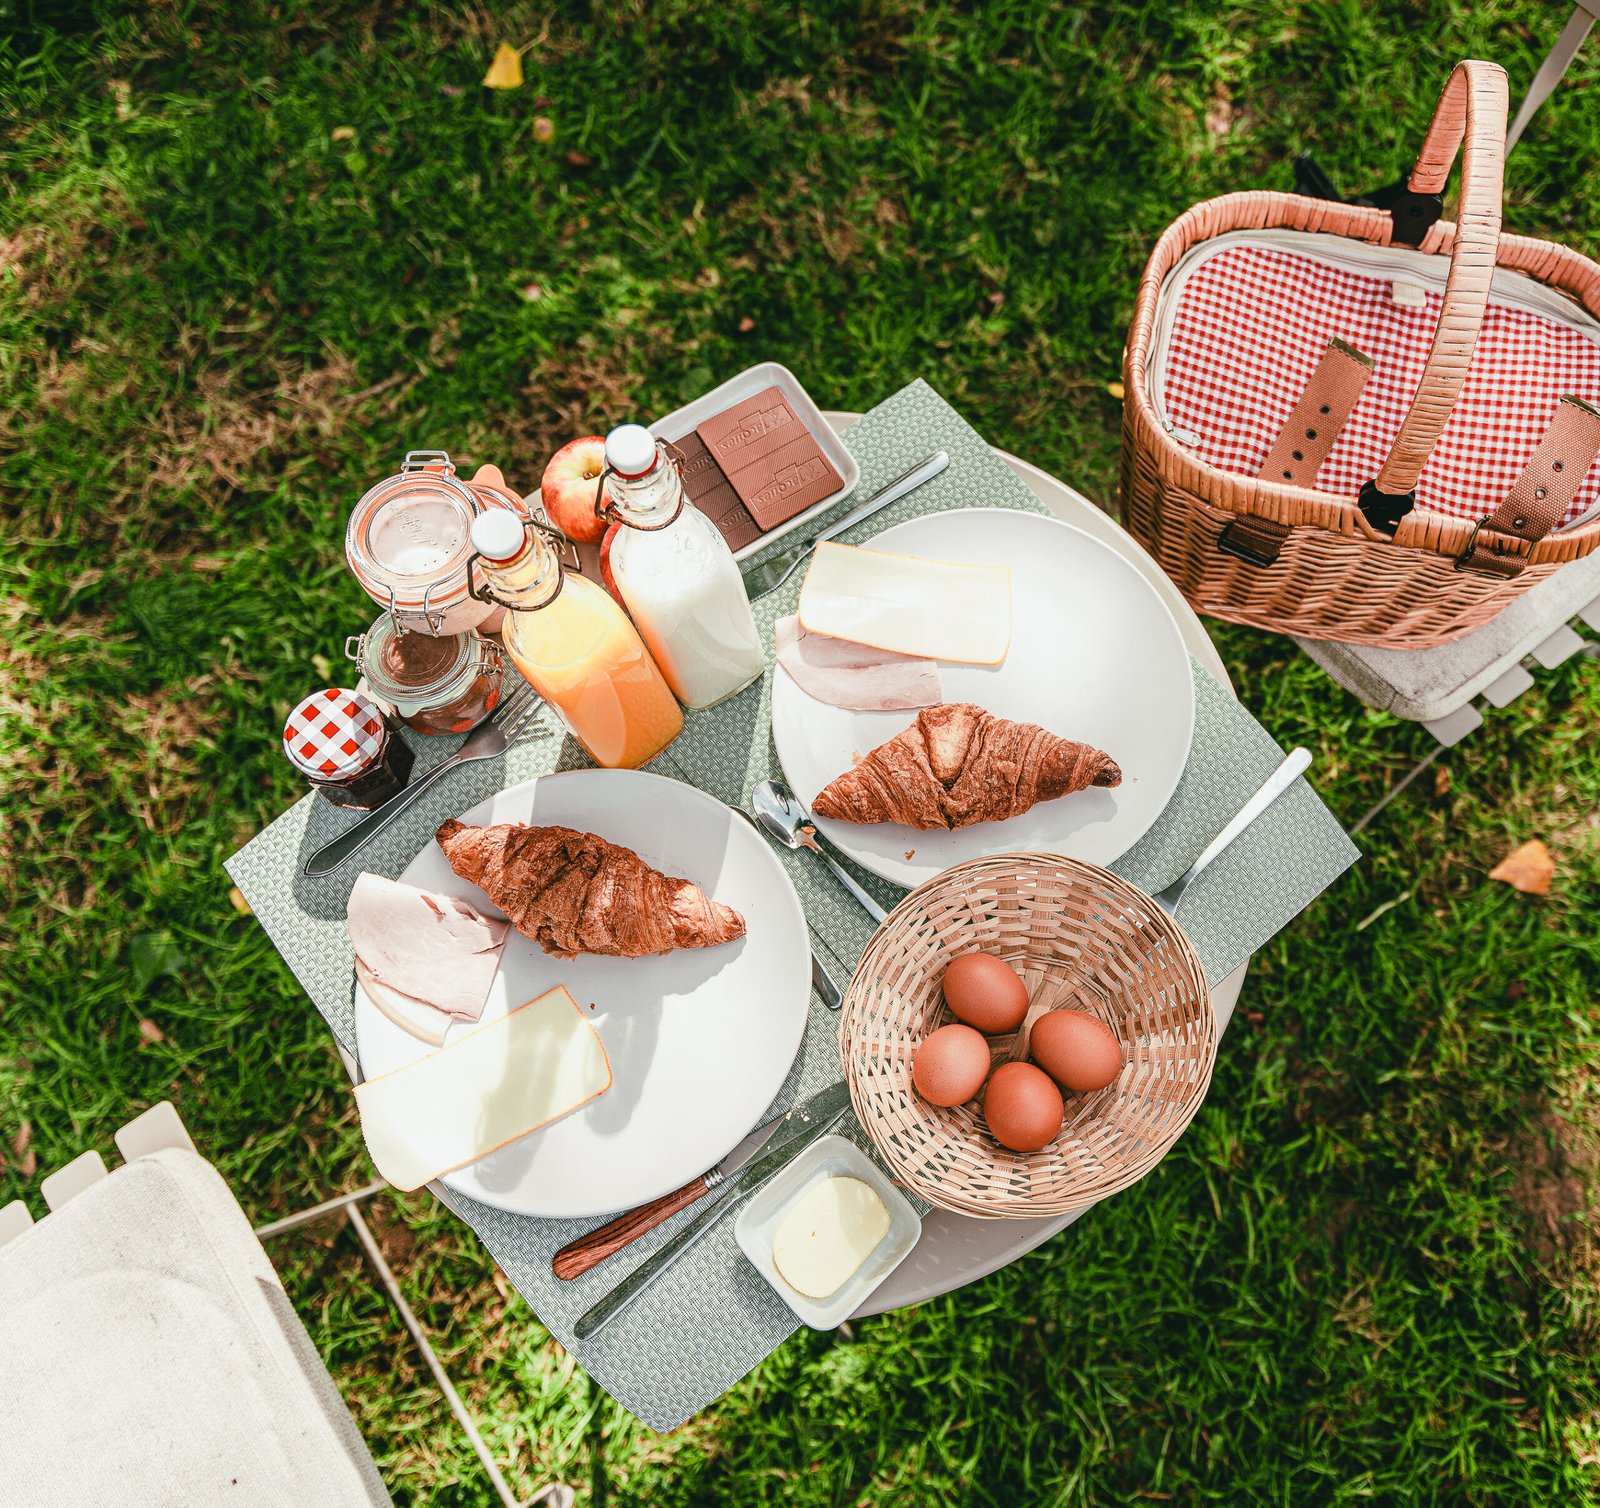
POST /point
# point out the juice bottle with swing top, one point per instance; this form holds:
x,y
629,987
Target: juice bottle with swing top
x,y
575,646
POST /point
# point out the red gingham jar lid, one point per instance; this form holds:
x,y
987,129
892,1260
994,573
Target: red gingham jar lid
x,y
334,734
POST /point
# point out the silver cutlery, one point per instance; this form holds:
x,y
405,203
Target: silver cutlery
x,y
823,983
493,736
1294,765
782,814
828,1108
769,575
588,1251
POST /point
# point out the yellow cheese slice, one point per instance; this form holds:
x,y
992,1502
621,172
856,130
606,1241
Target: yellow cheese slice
x,y
828,1232
498,1082
938,609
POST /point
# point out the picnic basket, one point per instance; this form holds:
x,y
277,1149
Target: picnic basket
x,y
1358,421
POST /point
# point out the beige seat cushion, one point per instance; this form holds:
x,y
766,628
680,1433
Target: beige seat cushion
x,y
149,1356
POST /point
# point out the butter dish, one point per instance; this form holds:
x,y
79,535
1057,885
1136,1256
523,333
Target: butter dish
x,y
758,1222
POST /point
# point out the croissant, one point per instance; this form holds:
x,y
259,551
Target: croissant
x,y
572,892
957,765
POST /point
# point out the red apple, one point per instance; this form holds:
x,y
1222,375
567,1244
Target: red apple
x,y
567,488
605,561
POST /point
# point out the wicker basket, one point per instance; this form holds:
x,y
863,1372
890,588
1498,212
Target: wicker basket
x,y
1326,572
1080,937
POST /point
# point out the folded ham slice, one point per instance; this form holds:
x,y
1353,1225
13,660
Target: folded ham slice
x,y
425,960
855,676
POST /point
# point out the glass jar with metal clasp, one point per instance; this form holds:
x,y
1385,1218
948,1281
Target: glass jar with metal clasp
x,y
436,684
409,543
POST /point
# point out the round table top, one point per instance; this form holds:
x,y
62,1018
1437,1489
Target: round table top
x,y
958,1249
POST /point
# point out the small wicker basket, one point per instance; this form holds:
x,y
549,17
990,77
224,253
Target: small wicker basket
x,y
1081,937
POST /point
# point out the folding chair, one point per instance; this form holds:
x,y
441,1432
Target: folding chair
x,y
1448,688
148,1352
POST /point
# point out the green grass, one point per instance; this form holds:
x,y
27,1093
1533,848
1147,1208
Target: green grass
x,y
250,254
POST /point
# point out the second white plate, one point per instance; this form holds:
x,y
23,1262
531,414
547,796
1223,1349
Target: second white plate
x,y
700,1040
1095,655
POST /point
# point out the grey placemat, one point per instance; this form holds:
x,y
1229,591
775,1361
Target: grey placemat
x,y
693,1335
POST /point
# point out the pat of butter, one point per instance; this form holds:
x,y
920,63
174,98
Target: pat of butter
x,y
938,609
498,1083
829,1231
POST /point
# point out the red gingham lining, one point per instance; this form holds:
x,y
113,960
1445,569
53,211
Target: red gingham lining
x,y
1251,324
334,734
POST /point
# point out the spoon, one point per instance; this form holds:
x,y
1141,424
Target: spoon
x,y
780,812
1293,766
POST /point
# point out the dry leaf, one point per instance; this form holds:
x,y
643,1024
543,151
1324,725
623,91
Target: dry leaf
x,y
1528,869
27,1161
323,666
1116,390
344,133
532,292
1441,780
746,325
238,902
150,1033
544,129
506,70
1220,113
579,159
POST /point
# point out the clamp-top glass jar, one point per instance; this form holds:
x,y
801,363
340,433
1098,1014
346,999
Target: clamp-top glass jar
x,y
409,544
442,685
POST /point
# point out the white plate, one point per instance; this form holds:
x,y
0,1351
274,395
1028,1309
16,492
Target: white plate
x,y
1095,655
700,1040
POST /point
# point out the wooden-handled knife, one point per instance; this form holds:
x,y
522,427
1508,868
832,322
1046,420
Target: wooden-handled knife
x,y
587,1252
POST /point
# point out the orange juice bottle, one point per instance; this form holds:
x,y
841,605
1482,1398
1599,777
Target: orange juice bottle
x,y
575,646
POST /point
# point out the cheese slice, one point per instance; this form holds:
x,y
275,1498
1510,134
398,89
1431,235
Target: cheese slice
x,y
938,609
499,1082
828,1232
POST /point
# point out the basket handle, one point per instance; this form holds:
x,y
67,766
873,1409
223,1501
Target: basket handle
x,y
1470,119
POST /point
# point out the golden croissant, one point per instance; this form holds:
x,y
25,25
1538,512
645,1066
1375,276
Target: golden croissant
x,y
572,892
957,765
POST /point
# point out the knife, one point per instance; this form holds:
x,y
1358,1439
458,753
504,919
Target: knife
x,y
587,1252
747,1180
771,574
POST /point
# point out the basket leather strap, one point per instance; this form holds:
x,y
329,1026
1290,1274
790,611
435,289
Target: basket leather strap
x,y
1315,421
1301,447
1499,544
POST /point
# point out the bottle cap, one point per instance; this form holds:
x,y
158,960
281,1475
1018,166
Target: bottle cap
x,y
631,450
497,534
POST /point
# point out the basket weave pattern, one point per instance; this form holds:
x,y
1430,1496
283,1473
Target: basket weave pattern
x,y
1081,937
1337,577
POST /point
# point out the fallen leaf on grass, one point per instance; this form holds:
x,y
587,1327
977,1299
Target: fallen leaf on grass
x,y
1116,390
746,325
580,159
238,902
150,1033
544,129
27,1159
505,72
1528,869
343,133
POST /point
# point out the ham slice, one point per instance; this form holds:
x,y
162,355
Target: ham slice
x,y
425,960
855,676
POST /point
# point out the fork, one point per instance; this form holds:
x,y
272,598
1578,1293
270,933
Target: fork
x,y
494,735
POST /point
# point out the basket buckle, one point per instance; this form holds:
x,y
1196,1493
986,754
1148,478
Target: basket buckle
x,y
1256,540
1509,562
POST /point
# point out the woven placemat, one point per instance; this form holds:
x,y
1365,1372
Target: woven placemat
x,y
694,1334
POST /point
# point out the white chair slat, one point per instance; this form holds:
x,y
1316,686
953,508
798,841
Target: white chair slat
x,y
1558,648
14,1219
157,1130
68,1182
1457,725
1503,692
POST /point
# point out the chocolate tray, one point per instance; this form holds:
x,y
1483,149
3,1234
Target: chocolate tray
x,y
752,380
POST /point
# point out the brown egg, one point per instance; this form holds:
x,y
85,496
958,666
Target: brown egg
x,y
1023,1108
950,1065
985,992
1079,1051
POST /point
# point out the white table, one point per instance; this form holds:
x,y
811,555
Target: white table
x,y
958,1249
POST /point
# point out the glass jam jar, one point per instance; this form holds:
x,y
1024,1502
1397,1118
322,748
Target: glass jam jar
x,y
436,685
347,748
409,544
